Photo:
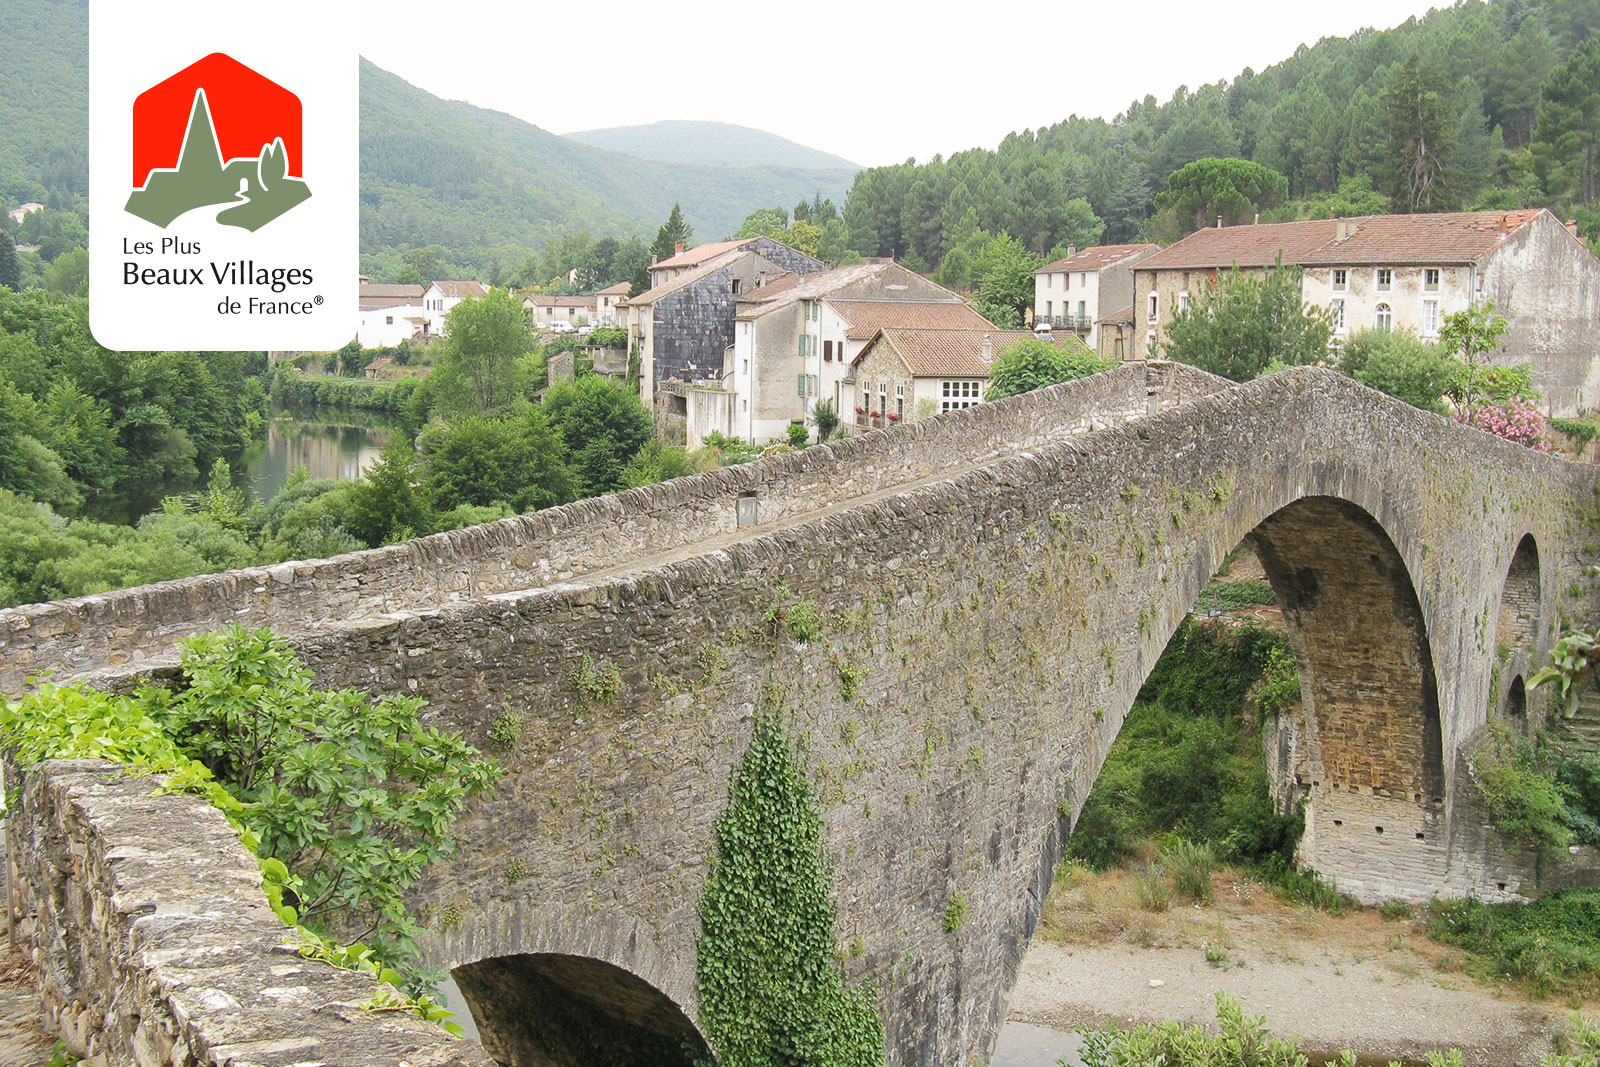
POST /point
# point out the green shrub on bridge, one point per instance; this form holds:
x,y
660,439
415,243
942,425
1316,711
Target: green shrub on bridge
x,y
345,799
772,993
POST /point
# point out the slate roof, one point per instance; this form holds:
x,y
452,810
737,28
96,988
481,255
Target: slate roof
x,y
813,286
688,277
1094,258
1450,237
867,317
953,353
373,295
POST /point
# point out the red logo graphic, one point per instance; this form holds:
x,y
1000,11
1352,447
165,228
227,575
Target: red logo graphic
x,y
217,133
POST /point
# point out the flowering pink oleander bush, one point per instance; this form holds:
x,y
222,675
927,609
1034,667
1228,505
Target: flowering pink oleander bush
x,y
1515,420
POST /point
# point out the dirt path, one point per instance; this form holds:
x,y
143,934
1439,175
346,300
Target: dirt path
x,y
1378,987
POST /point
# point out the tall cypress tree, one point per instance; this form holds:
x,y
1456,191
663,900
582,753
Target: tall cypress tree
x,y
10,267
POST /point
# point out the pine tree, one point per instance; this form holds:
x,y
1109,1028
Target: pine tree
x,y
1421,118
1566,136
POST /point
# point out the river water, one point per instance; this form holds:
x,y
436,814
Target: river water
x,y
329,443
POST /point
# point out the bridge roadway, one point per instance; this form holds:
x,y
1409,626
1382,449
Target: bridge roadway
x,y
999,617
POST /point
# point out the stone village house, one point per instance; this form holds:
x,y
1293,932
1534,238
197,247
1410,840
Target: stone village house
x,y
1410,271
1087,288
906,373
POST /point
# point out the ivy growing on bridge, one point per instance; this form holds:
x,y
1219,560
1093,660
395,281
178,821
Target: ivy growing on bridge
x,y
772,992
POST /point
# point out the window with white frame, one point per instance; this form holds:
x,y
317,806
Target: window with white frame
x,y
1341,279
1183,302
1430,279
1336,313
959,394
1153,305
1049,281
1066,281
1385,279
1430,318
1383,317
1150,343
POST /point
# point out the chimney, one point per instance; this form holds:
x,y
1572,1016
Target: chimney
x,y
1219,222
1341,230
1257,222
1072,250
1572,228
677,249
988,349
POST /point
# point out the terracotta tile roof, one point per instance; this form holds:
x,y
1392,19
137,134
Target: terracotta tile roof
x,y
1452,237
536,300
373,295
700,253
620,289
1457,237
1095,258
867,317
1125,315
954,353
462,289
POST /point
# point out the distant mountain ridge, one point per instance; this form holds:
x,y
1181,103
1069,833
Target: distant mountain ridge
x,y
714,143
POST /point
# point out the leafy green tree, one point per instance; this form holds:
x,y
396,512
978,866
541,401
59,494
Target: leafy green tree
x,y
1566,136
481,366
519,461
1420,117
772,993
766,221
1246,323
385,506
1005,281
1032,364
656,462
1232,188
1398,363
603,424
69,273
1474,334
825,418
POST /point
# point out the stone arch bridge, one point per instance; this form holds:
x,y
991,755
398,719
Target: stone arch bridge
x,y
993,587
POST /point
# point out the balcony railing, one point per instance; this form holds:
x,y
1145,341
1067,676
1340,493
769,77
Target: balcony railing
x,y
1081,323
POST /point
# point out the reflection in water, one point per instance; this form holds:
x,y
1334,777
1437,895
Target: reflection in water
x,y
325,447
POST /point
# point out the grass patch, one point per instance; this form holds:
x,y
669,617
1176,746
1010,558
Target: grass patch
x,y
1548,947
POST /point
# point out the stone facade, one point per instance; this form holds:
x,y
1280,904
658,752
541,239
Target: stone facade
x,y
996,599
153,944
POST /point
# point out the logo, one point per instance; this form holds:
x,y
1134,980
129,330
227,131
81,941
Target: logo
x,y
217,135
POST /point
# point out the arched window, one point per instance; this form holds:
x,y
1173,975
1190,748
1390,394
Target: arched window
x,y
1383,317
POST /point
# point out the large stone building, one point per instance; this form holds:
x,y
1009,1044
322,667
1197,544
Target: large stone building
x,y
1085,288
1410,272
795,340
683,324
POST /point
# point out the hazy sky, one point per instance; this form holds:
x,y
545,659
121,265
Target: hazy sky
x,y
873,82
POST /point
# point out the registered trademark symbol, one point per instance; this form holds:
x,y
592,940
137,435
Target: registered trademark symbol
x,y
317,300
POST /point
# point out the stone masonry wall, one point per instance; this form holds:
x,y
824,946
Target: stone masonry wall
x,y
997,624
142,625
153,944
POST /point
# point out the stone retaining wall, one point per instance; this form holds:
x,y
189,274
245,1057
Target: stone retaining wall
x,y
153,944
140,626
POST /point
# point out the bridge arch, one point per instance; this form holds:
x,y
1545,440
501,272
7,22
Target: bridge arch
x,y
1517,623
544,1009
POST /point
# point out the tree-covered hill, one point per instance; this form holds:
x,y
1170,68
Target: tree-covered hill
x,y
479,182
682,141
1501,106
479,185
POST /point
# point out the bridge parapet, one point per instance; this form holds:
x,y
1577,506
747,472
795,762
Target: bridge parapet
x,y
141,625
152,942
